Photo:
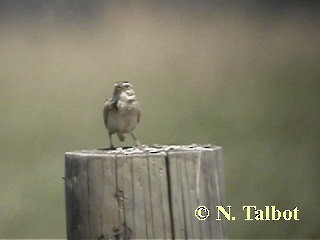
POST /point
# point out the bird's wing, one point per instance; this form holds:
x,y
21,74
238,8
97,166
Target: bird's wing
x,y
110,105
139,114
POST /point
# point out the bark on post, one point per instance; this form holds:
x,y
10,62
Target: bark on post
x,y
129,193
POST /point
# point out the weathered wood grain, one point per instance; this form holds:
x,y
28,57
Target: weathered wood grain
x,y
109,205
176,198
69,191
161,222
150,194
80,199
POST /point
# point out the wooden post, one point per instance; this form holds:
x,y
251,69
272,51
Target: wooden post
x,y
149,194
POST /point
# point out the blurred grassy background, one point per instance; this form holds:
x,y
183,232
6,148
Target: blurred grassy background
x,y
241,74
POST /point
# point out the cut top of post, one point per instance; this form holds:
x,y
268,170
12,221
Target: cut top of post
x,y
153,149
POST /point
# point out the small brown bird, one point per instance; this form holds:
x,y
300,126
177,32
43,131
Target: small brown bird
x,y
121,113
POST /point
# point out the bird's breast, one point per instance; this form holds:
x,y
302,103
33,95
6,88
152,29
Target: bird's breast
x,y
125,119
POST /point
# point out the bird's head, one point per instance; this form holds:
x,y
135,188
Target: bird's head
x,y
123,87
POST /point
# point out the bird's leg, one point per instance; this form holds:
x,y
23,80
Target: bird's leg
x,y
111,144
136,140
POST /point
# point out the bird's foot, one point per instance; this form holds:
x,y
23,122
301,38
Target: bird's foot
x,y
111,148
140,146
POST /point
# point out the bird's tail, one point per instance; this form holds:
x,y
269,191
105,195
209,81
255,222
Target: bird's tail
x,y
121,137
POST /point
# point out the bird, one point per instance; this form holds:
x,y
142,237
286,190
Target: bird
x,y
122,112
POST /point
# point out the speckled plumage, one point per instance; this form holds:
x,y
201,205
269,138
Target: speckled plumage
x,y
121,113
